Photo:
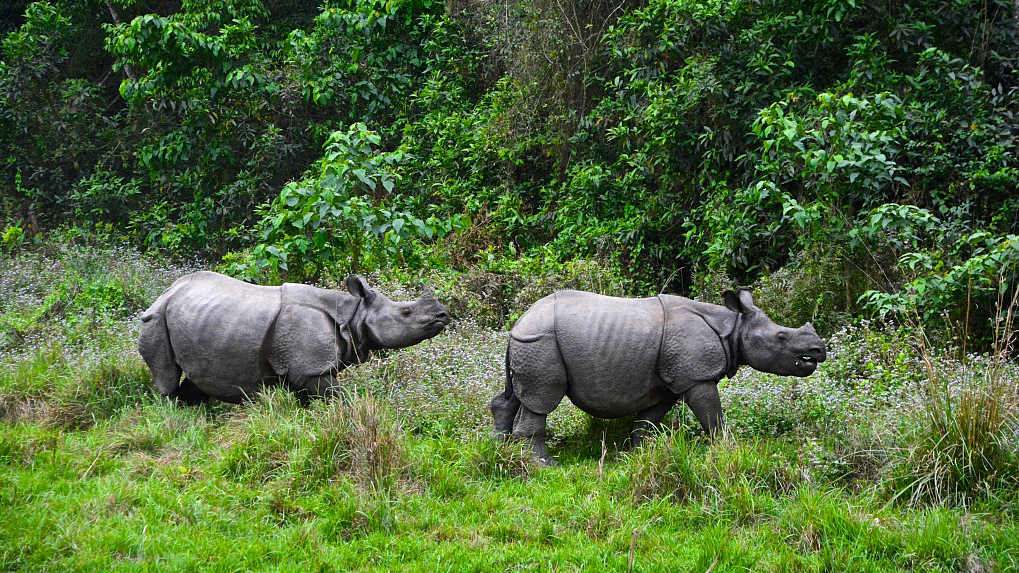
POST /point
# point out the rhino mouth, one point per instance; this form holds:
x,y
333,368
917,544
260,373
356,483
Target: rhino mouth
x,y
806,363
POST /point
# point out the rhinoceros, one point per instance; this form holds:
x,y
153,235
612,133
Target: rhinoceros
x,y
617,357
229,338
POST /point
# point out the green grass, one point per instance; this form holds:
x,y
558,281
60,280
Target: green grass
x,y
97,473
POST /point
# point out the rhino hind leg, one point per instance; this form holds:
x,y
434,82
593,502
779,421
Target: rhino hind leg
x,y
154,346
504,407
531,425
537,376
705,404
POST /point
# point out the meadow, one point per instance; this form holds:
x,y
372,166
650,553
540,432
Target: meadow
x,y
899,454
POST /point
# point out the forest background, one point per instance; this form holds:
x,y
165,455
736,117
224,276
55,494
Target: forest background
x,y
854,162
864,151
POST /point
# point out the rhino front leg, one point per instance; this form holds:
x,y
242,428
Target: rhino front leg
x,y
314,386
705,404
646,419
531,425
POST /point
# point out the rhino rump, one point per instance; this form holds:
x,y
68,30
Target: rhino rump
x,y
600,351
217,332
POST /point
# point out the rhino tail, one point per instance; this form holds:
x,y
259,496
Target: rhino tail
x,y
504,406
508,393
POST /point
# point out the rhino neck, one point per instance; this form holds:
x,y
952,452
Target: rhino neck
x,y
733,345
359,338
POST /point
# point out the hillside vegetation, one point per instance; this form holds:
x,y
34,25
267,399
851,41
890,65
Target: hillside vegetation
x,y
854,162
865,150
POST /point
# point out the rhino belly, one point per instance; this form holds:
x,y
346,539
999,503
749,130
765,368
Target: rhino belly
x,y
610,347
217,337
619,397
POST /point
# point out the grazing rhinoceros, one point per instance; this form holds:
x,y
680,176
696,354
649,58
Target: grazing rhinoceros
x,y
618,357
230,338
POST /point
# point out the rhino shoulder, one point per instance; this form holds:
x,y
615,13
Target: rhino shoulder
x,y
717,317
339,306
693,347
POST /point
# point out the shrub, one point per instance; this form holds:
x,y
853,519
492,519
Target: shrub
x,y
343,214
959,443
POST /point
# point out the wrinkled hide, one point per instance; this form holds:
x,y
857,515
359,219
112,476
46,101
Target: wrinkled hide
x,y
228,338
618,357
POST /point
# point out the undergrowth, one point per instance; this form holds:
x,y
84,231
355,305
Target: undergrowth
x,y
895,455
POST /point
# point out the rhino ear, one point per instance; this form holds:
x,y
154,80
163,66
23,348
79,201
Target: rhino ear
x,y
731,300
740,300
358,287
746,299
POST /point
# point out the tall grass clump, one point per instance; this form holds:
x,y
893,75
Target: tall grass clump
x,y
359,436
493,457
262,439
666,467
960,443
727,471
97,391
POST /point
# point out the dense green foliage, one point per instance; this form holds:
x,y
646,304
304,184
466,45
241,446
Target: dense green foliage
x,y
846,158
892,457
691,144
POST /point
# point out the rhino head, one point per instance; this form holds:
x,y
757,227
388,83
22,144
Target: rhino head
x,y
398,324
769,347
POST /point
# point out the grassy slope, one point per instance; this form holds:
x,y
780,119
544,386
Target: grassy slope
x,y
97,473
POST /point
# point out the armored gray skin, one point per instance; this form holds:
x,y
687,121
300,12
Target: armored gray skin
x,y
230,338
617,357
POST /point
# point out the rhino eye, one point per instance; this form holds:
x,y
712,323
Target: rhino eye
x,y
405,311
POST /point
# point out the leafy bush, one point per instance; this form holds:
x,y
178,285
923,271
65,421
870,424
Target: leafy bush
x,y
345,214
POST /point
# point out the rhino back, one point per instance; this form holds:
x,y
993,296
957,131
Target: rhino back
x,y
217,328
610,346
